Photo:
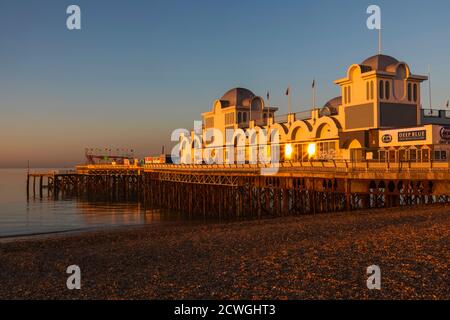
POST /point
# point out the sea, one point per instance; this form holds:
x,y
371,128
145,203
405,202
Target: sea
x,y
22,215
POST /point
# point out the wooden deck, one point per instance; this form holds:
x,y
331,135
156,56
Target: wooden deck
x,y
225,190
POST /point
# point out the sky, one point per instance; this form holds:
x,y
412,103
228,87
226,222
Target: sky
x,y
137,70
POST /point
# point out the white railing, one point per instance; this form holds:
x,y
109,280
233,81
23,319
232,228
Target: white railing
x,y
330,166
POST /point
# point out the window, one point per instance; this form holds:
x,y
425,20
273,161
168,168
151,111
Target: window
x,y
413,155
209,122
367,91
415,92
245,116
301,152
345,95
391,154
440,155
425,155
371,90
402,155
349,95
388,90
381,90
265,116
239,117
326,150
229,118
409,92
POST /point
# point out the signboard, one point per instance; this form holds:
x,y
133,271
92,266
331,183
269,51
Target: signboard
x,y
387,138
415,135
153,160
425,135
444,133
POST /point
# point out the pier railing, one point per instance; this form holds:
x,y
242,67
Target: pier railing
x,y
316,166
330,166
243,189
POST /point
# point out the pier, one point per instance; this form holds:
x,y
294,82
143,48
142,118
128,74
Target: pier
x,y
45,181
222,191
373,146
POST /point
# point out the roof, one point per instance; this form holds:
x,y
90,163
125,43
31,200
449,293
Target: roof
x,y
334,103
380,62
331,107
237,96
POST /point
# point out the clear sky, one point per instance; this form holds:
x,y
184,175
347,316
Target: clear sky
x,y
139,69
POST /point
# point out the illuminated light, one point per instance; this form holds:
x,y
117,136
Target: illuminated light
x,y
288,151
311,149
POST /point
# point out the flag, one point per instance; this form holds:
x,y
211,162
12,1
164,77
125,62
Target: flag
x,y
448,103
287,90
268,95
313,84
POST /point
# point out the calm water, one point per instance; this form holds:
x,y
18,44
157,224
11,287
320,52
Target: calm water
x,y
19,216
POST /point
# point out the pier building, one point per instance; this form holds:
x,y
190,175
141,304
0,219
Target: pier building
x,y
377,117
373,146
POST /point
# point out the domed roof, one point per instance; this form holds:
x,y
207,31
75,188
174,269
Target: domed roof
x,y
380,62
331,107
237,96
334,103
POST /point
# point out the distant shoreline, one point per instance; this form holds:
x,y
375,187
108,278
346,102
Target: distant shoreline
x,y
54,234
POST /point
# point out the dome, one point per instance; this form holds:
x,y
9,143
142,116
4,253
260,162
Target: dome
x,y
238,97
331,107
334,103
380,62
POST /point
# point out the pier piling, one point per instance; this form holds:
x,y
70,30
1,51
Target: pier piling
x,y
234,193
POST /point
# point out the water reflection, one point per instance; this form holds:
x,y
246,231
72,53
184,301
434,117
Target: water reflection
x,y
36,214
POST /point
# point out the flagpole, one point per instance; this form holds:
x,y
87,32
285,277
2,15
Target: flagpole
x,y
314,94
429,86
250,115
289,100
268,108
379,40
314,99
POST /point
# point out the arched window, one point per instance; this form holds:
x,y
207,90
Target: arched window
x,y
239,117
245,116
381,90
371,90
409,92
265,116
388,90
415,92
